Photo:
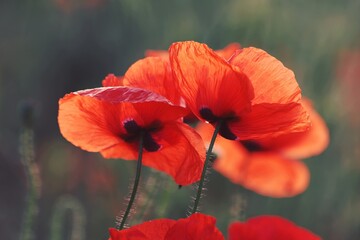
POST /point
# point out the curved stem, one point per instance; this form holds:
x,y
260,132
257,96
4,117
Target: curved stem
x,y
136,184
208,156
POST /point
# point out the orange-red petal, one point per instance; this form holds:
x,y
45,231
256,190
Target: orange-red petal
x,y
158,53
196,226
303,144
266,173
270,174
272,81
154,74
112,81
225,52
228,50
270,120
151,73
151,230
181,155
269,228
207,80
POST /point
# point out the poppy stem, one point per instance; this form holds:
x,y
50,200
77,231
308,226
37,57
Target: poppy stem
x,y
136,184
207,159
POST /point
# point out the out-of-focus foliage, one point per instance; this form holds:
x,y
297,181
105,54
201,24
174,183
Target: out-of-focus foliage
x,y
49,48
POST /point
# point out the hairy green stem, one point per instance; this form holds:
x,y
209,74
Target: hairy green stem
x,y
207,159
136,184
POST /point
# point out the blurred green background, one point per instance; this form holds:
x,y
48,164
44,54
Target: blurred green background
x,y
50,48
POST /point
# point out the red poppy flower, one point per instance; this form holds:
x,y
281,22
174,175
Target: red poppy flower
x,y
151,73
225,53
269,228
195,227
110,120
253,94
267,166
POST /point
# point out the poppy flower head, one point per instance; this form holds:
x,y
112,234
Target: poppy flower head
x,y
196,226
211,87
252,94
269,228
110,120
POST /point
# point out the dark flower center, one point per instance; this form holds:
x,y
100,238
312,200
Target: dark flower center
x,y
224,131
252,146
134,131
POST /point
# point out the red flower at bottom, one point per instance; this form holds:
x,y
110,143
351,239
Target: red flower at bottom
x,y
197,226
269,228
202,227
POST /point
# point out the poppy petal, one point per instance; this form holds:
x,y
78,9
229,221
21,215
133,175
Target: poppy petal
x,y
225,53
267,173
228,50
270,120
181,155
206,80
158,53
272,81
269,228
271,174
306,144
197,226
155,229
112,81
153,74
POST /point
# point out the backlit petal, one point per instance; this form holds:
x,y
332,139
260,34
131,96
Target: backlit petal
x,y
207,80
158,53
267,173
228,51
270,120
303,144
154,74
112,81
269,228
197,226
151,230
272,81
271,174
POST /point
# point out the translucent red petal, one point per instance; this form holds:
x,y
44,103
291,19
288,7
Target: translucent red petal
x,y
269,228
271,120
303,144
207,80
196,226
272,81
